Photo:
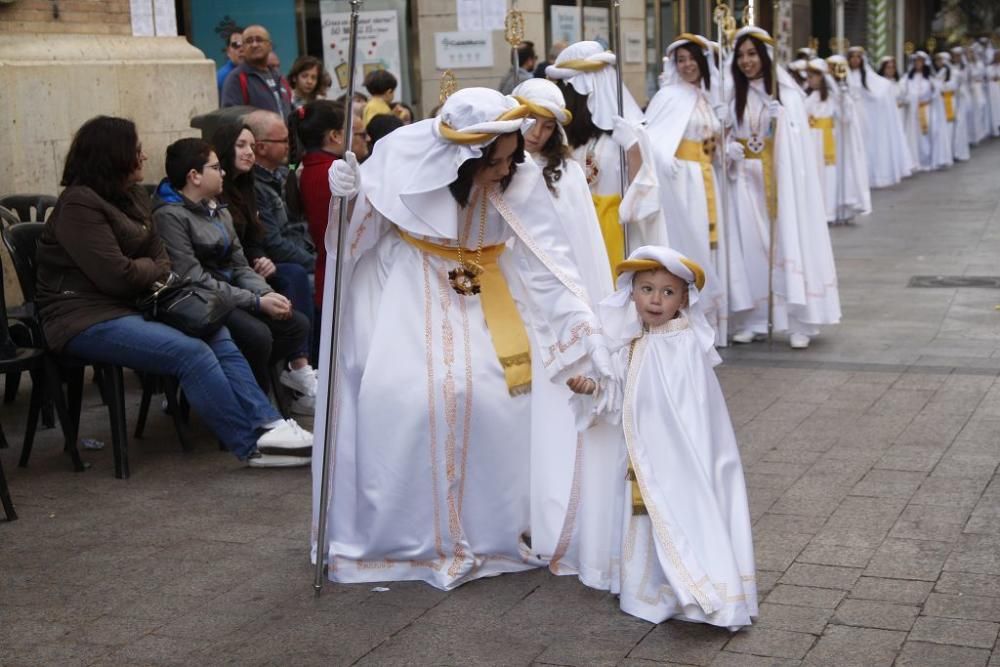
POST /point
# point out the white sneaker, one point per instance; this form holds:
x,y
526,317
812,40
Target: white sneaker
x,y
288,439
303,405
261,460
302,380
745,336
798,341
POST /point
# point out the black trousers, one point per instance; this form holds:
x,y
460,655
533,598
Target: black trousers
x,y
265,341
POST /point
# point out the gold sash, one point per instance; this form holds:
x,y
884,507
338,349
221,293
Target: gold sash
x,y
611,228
638,504
829,142
766,156
701,152
949,105
922,112
510,340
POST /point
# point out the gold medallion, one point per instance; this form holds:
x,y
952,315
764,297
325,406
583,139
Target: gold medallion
x,y
464,279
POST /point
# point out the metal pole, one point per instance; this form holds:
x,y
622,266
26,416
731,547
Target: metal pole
x,y
330,433
723,17
772,245
840,156
839,18
900,32
616,21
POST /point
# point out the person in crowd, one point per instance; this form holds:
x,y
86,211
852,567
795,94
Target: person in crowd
x,y
684,546
585,73
979,124
926,127
554,52
203,246
404,112
252,82
527,59
305,78
951,77
234,55
993,88
381,85
381,125
99,252
771,157
838,145
432,426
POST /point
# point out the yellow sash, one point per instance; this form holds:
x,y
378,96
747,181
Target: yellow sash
x,y
829,142
638,504
701,152
510,340
924,119
766,156
611,228
949,105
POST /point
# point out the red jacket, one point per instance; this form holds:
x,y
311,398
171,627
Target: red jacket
x,y
314,188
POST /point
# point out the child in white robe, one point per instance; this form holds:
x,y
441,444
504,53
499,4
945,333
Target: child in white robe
x,y
684,547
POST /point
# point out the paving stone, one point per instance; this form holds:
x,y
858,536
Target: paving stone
x,y
821,576
427,643
796,619
923,654
930,522
676,641
975,607
966,583
875,614
888,484
771,642
845,646
960,632
835,554
861,522
891,590
774,550
910,458
946,493
909,559
805,596
978,554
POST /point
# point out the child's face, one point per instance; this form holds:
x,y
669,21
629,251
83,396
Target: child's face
x,y
658,296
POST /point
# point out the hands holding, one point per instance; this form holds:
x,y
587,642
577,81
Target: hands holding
x,y
276,306
264,267
345,176
624,134
582,385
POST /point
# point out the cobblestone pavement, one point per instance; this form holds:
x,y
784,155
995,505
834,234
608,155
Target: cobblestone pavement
x,y
871,461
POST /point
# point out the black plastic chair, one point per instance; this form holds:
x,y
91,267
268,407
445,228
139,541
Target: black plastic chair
x,y
29,208
5,499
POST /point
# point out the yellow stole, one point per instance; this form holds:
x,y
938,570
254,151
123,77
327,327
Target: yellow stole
x,y
766,156
829,141
922,111
949,105
611,228
701,152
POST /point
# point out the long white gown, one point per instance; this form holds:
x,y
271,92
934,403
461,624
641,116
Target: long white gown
x,y
430,472
849,147
805,277
993,77
980,108
957,86
926,128
889,158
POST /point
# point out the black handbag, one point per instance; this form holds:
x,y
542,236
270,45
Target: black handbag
x,y
196,310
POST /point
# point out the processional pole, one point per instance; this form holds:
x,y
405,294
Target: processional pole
x,y
773,244
616,23
513,33
725,25
330,432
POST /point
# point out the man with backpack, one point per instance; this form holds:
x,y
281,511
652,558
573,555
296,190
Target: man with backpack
x,y
252,83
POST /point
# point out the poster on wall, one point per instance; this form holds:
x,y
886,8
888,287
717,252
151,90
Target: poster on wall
x,y
597,24
565,22
476,15
463,50
378,46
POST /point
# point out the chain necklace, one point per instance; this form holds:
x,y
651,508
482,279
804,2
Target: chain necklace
x,y
755,143
591,170
464,278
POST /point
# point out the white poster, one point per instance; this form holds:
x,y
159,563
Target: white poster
x,y
463,50
565,23
633,47
378,46
597,24
476,15
152,18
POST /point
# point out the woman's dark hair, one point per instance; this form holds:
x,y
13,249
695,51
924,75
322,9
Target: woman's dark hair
x,y
555,153
881,71
400,105
947,70
304,64
237,188
581,129
310,124
740,80
461,187
380,81
184,155
824,90
926,71
104,153
699,57
862,69
381,125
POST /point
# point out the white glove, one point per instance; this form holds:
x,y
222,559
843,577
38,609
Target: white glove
x,y
345,176
774,108
722,113
735,151
624,134
673,166
608,395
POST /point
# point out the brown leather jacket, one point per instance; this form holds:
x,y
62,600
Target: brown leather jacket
x,y
94,259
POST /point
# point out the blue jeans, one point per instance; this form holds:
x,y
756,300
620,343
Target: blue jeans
x,y
292,281
212,373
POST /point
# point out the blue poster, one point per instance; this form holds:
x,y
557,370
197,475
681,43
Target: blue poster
x,y
209,19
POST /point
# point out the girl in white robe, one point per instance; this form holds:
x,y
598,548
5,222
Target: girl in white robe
x,y
837,137
993,82
684,541
888,69
926,127
585,73
775,178
686,137
430,468
889,159
977,78
954,86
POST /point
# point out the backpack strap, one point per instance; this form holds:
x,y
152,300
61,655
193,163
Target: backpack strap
x,y
244,87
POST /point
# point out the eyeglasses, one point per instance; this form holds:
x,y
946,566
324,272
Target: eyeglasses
x,y
273,141
217,166
256,40
236,45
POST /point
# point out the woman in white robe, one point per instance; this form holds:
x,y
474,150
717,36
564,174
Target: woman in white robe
x,y
685,135
889,159
585,73
775,179
977,78
888,69
684,541
926,128
954,87
429,475
837,139
993,82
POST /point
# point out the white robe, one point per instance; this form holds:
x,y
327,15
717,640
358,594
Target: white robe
x,y
993,76
849,148
889,159
960,126
932,148
805,277
980,109
430,472
691,556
